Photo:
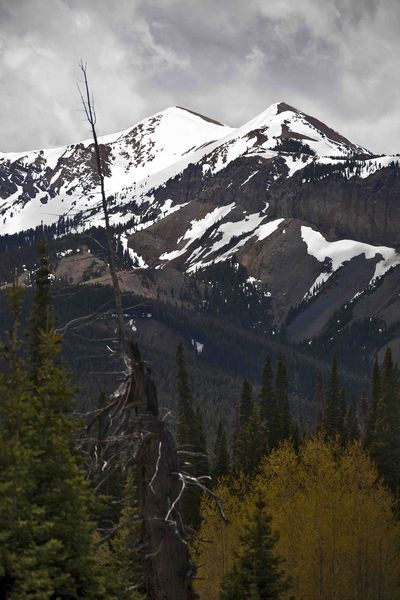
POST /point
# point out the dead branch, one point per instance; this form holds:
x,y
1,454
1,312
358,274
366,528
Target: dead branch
x,y
90,112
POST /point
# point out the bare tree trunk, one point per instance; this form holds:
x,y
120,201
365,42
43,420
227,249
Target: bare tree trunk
x,y
168,575
88,105
168,572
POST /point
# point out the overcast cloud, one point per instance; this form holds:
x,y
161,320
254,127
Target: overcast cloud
x,y
229,59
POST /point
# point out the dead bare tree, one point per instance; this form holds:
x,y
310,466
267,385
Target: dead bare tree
x,y
135,431
90,112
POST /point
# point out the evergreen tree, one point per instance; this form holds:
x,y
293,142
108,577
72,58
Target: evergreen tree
x,y
320,396
268,406
21,568
250,435
244,410
126,560
42,314
373,408
257,573
220,465
200,443
385,445
267,400
334,416
45,522
342,413
186,413
363,408
191,439
246,402
283,419
253,442
352,430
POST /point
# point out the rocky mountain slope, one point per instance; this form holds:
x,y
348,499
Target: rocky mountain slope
x,y
311,216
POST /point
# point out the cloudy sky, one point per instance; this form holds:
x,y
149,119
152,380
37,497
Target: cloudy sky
x,y
229,59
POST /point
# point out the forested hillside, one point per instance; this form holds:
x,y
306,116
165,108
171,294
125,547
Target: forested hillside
x,y
276,491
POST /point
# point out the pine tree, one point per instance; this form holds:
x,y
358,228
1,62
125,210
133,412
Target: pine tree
x,y
246,402
21,571
373,408
267,400
200,443
42,314
244,410
250,435
47,533
186,414
192,441
333,423
253,446
257,573
284,423
363,408
221,460
385,445
268,405
126,560
352,430
342,413
320,396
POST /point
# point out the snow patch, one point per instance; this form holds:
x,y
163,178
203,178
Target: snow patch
x,y
342,251
249,177
198,346
267,229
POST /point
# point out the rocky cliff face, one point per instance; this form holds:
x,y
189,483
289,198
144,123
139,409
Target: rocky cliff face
x,y
313,217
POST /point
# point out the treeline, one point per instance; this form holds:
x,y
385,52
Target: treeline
x,y
314,171
33,236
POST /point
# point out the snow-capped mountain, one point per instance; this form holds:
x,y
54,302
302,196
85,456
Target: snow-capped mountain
x,y
43,185
313,217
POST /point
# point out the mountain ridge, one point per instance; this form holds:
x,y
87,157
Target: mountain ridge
x,y
187,192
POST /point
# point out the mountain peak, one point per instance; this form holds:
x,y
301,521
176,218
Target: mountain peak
x,y
282,121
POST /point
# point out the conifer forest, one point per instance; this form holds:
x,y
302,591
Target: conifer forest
x,y
123,502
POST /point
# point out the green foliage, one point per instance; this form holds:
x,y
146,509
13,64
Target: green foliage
x,y
126,561
231,294
283,419
351,428
320,395
267,399
257,573
250,437
42,315
274,399
192,441
373,407
221,459
385,443
294,146
45,502
335,409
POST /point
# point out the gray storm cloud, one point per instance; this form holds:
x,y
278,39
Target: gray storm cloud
x,y
229,59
